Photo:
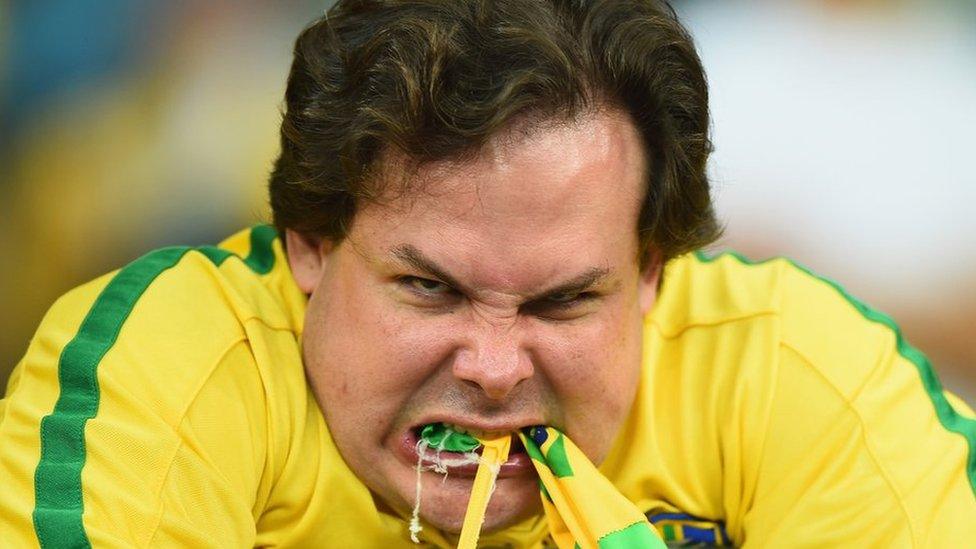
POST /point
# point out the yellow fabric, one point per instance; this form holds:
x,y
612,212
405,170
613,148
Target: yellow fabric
x,y
494,453
767,403
583,508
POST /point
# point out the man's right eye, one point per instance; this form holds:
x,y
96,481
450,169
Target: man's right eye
x,y
425,286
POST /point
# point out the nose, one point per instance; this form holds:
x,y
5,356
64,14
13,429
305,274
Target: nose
x,y
495,363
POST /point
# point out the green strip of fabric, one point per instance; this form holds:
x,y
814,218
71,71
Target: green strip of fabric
x,y
531,447
58,506
261,258
557,459
57,480
947,415
634,536
441,437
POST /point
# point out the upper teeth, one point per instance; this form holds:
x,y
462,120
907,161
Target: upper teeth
x,y
474,432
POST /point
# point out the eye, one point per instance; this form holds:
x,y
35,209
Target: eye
x,y
425,286
561,306
564,298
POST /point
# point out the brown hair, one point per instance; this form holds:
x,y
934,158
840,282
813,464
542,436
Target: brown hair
x,y
437,78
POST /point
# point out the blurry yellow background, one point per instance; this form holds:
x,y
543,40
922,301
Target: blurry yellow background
x,y
843,133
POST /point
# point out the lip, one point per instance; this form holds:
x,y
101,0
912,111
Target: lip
x,y
518,463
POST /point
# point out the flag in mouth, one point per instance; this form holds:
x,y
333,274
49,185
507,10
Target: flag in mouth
x,y
489,453
443,437
583,507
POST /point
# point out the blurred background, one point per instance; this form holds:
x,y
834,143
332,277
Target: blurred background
x,y
843,133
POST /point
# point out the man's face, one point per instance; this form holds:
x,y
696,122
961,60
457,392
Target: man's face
x,y
499,293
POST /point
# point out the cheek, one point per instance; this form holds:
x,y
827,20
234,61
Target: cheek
x,y
365,356
595,356
594,369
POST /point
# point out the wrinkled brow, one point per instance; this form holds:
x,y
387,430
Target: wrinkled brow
x,y
582,282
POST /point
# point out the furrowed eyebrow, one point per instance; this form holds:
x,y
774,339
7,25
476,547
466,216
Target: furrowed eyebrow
x,y
416,259
578,284
581,283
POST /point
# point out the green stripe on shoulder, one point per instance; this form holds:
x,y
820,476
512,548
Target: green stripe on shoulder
x,y
58,506
948,416
261,258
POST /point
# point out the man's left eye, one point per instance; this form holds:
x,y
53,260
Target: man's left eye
x,y
564,298
567,300
561,306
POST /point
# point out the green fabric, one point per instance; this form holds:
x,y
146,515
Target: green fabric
x,y
535,453
58,506
557,460
635,535
57,479
442,437
947,415
582,506
261,258
216,255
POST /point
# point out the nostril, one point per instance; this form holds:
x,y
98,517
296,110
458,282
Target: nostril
x,y
472,384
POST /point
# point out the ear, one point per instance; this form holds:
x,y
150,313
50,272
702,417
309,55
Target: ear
x,y
306,257
649,281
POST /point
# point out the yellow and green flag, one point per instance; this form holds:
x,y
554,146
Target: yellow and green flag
x,y
584,509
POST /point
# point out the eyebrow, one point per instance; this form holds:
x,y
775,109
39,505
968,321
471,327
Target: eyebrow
x,y
578,284
416,259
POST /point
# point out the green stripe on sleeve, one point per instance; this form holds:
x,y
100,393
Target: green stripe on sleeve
x,y
57,480
947,415
58,507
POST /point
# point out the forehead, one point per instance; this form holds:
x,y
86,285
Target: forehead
x,y
529,203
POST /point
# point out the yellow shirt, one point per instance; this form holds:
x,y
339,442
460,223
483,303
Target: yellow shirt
x,y
166,405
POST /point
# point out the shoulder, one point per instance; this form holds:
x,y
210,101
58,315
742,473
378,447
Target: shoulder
x,y
184,364
799,380
159,326
702,290
808,314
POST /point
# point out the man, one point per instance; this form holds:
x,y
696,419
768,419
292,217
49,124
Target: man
x,y
485,213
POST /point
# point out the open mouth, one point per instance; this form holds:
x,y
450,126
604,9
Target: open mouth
x,y
453,450
465,456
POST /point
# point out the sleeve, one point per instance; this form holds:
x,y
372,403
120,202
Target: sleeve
x,y
161,443
863,447
212,489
